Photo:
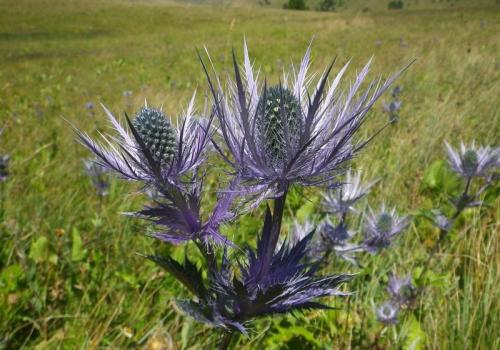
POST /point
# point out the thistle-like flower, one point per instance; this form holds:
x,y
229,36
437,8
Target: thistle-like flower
x,y
4,167
342,200
402,291
441,221
336,234
166,159
97,175
381,228
153,151
387,313
283,134
471,161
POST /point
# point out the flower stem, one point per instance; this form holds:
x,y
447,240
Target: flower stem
x,y
226,340
279,209
277,218
2,201
443,233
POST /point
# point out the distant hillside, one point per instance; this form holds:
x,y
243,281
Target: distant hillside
x,y
354,5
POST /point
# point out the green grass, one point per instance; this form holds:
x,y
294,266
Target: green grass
x,y
56,56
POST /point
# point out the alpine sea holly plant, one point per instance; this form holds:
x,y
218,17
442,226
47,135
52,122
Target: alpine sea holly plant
x,y
477,168
296,132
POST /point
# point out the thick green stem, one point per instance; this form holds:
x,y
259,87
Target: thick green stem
x,y
278,210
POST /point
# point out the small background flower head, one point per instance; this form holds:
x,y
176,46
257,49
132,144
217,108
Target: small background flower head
x,y
342,199
402,291
471,161
98,176
387,313
4,167
382,227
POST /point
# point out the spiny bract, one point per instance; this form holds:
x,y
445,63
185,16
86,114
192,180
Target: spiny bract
x,y
279,110
157,133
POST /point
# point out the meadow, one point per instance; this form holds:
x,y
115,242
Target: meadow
x,y
70,277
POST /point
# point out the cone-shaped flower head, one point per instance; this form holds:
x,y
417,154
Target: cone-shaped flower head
x,y
381,228
298,131
278,124
471,161
157,133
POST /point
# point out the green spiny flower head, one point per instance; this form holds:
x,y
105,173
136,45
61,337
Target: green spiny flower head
x,y
155,130
279,110
470,161
384,223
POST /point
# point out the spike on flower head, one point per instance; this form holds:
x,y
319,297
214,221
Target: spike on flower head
x,y
157,133
278,123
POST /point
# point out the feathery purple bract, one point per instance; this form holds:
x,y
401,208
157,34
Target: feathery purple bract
x,y
177,210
